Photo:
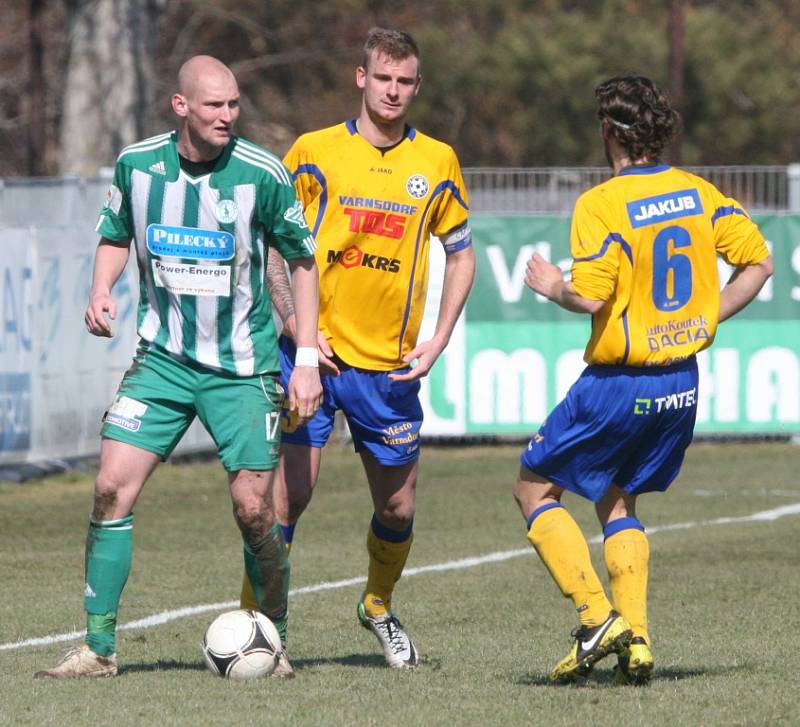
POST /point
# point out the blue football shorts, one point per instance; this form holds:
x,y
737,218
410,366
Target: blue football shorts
x,y
625,425
384,416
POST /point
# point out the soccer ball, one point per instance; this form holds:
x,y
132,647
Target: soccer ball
x,y
241,645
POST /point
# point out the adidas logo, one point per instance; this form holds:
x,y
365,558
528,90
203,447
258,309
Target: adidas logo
x,y
157,168
88,592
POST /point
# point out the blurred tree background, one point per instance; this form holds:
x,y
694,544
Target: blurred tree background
x,y
506,82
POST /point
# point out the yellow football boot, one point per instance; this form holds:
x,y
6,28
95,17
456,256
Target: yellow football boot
x,y
635,665
591,645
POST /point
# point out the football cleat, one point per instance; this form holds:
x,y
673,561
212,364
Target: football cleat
x,y
635,664
592,643
283,669
397,647
81,661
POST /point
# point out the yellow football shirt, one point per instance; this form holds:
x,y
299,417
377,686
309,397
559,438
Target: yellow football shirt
x,y
646,242
372,213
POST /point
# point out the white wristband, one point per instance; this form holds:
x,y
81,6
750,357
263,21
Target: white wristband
x,y
307,356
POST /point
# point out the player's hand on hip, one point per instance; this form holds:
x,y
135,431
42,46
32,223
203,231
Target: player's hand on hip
x,y
99,307
425,355
305,392
542,276
326,363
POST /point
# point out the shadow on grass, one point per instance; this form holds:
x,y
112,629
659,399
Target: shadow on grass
x,y
362,661
163,665
664,674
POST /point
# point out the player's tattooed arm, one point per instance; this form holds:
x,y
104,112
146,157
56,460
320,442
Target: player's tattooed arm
x,y
283,299
280,289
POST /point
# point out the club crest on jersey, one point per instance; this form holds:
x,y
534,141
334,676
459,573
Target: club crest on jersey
x,y
226,211
295,214
664,207
417,186
190,242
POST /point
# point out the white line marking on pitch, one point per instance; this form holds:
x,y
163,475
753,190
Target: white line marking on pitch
x,y
166,616
761,492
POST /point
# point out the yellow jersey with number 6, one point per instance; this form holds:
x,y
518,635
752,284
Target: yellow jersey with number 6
x,y
646,242
372,212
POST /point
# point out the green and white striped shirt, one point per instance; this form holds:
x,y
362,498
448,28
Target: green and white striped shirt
x,y
201,246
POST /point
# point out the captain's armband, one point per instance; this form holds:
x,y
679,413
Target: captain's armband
x,y
457,239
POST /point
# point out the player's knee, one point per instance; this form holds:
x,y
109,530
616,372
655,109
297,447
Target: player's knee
x,y
254,517
297,507
518,492
298,493
523,495
532,491
397,515
106,495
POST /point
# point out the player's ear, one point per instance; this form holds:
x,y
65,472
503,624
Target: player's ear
x,y
418,84
179,105
361,77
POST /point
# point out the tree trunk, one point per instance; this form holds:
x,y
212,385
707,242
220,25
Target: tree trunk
x,y
675,64
37,120
108,88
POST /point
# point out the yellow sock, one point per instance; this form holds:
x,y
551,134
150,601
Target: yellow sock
x,y
627,553
387,558
563,549
248,598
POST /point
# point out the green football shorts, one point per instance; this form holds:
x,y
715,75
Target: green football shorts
x,y
159,397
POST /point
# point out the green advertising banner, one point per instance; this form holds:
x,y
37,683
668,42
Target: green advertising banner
x,y
514,354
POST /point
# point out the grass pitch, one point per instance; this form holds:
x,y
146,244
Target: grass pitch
x,y
724,594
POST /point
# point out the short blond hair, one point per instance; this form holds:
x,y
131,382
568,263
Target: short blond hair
x,y
396,44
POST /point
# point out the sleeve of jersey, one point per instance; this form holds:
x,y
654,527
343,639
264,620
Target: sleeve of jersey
x,y
451,224
283,218
736,236
115,221
306,174
595,254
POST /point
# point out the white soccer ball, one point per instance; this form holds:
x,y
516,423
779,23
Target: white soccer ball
x,y
242,645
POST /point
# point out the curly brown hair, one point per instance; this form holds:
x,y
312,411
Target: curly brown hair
x,y
396,44
639,115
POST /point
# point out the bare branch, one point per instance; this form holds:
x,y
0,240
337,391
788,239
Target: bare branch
x,y
243,20
286,58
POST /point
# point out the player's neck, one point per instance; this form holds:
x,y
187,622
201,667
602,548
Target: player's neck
x,y
617,156
621,161
195,149
380,134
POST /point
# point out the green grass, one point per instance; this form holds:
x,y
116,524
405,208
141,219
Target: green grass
x,y
723,603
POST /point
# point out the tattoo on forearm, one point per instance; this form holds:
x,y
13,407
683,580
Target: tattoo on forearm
x,y
279,286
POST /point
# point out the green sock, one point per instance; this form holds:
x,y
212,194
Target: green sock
x,y
267,566
281,624
109,544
